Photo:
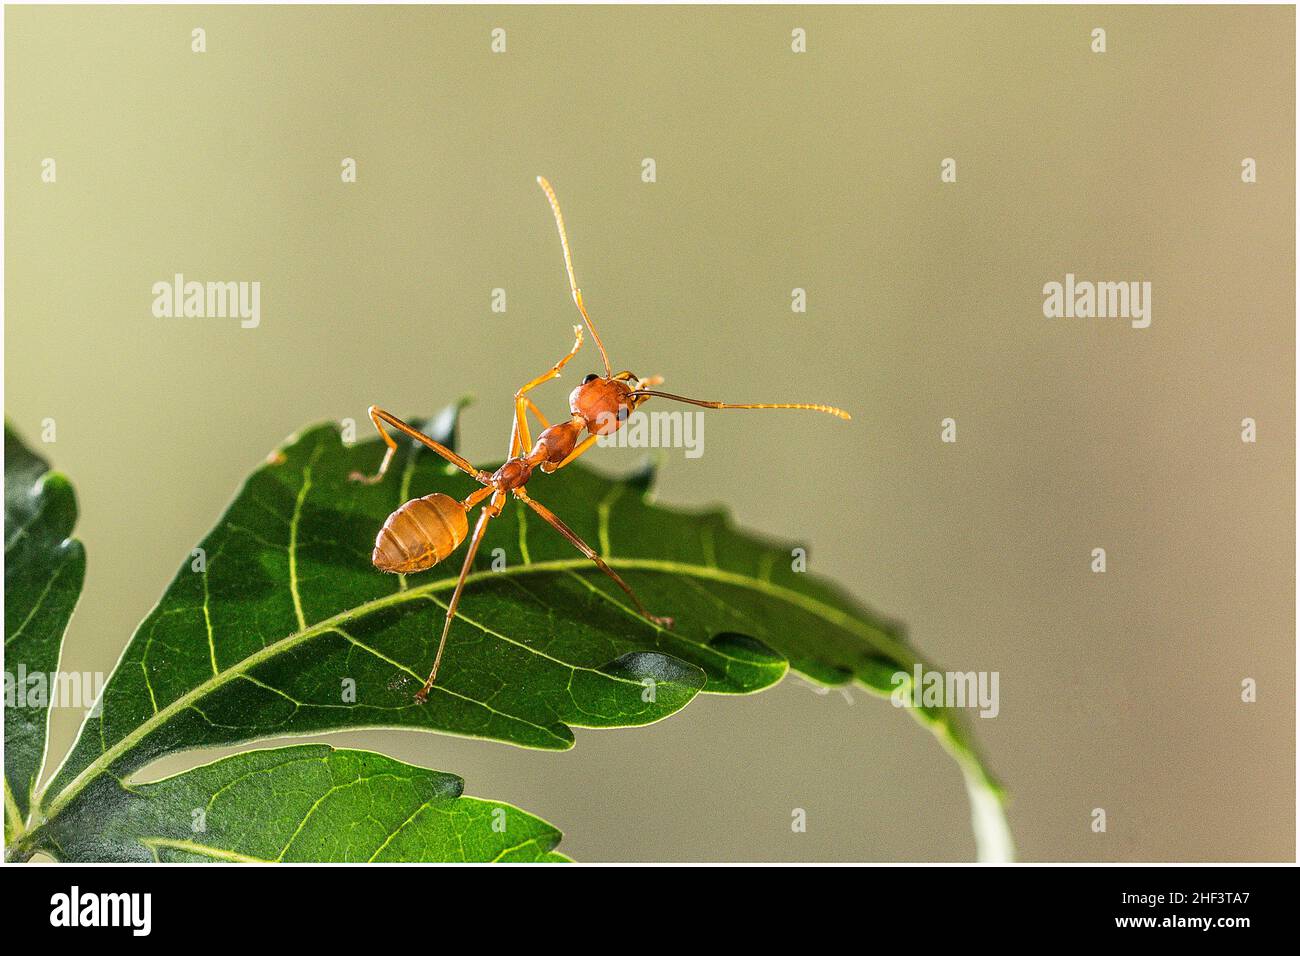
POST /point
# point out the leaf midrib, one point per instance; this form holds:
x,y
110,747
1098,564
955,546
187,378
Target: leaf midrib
x,y
153,844
107,757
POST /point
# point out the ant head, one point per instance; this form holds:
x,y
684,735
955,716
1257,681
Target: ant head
x,y
603,403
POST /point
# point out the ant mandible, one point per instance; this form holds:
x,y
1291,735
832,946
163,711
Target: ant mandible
x,y
425,530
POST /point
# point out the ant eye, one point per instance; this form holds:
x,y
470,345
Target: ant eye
x,y
591,377
622,413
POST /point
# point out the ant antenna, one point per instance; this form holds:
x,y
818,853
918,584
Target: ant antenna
x,y
828,409
568,265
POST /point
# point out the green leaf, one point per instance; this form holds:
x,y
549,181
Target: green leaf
x,y
307,803
289,614
44,570
296,803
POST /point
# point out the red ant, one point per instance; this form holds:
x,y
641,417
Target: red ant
x,y
425,530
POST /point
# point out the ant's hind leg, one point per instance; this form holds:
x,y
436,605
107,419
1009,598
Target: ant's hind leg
x,y
379,416
554,521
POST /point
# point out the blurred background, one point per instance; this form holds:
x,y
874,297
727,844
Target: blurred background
x,y
774,171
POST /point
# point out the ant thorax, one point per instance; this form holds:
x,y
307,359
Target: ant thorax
x,y
553,445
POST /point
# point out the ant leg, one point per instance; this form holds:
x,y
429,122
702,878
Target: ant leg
x,y
476,496
537,413
520,439
490,510
554,521
378,416
515,442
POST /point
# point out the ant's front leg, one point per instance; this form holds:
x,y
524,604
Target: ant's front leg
x,y
520,439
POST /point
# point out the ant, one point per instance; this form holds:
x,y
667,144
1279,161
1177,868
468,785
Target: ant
x,y
425,530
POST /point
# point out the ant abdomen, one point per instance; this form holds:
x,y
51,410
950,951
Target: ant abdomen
x,y
420,534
